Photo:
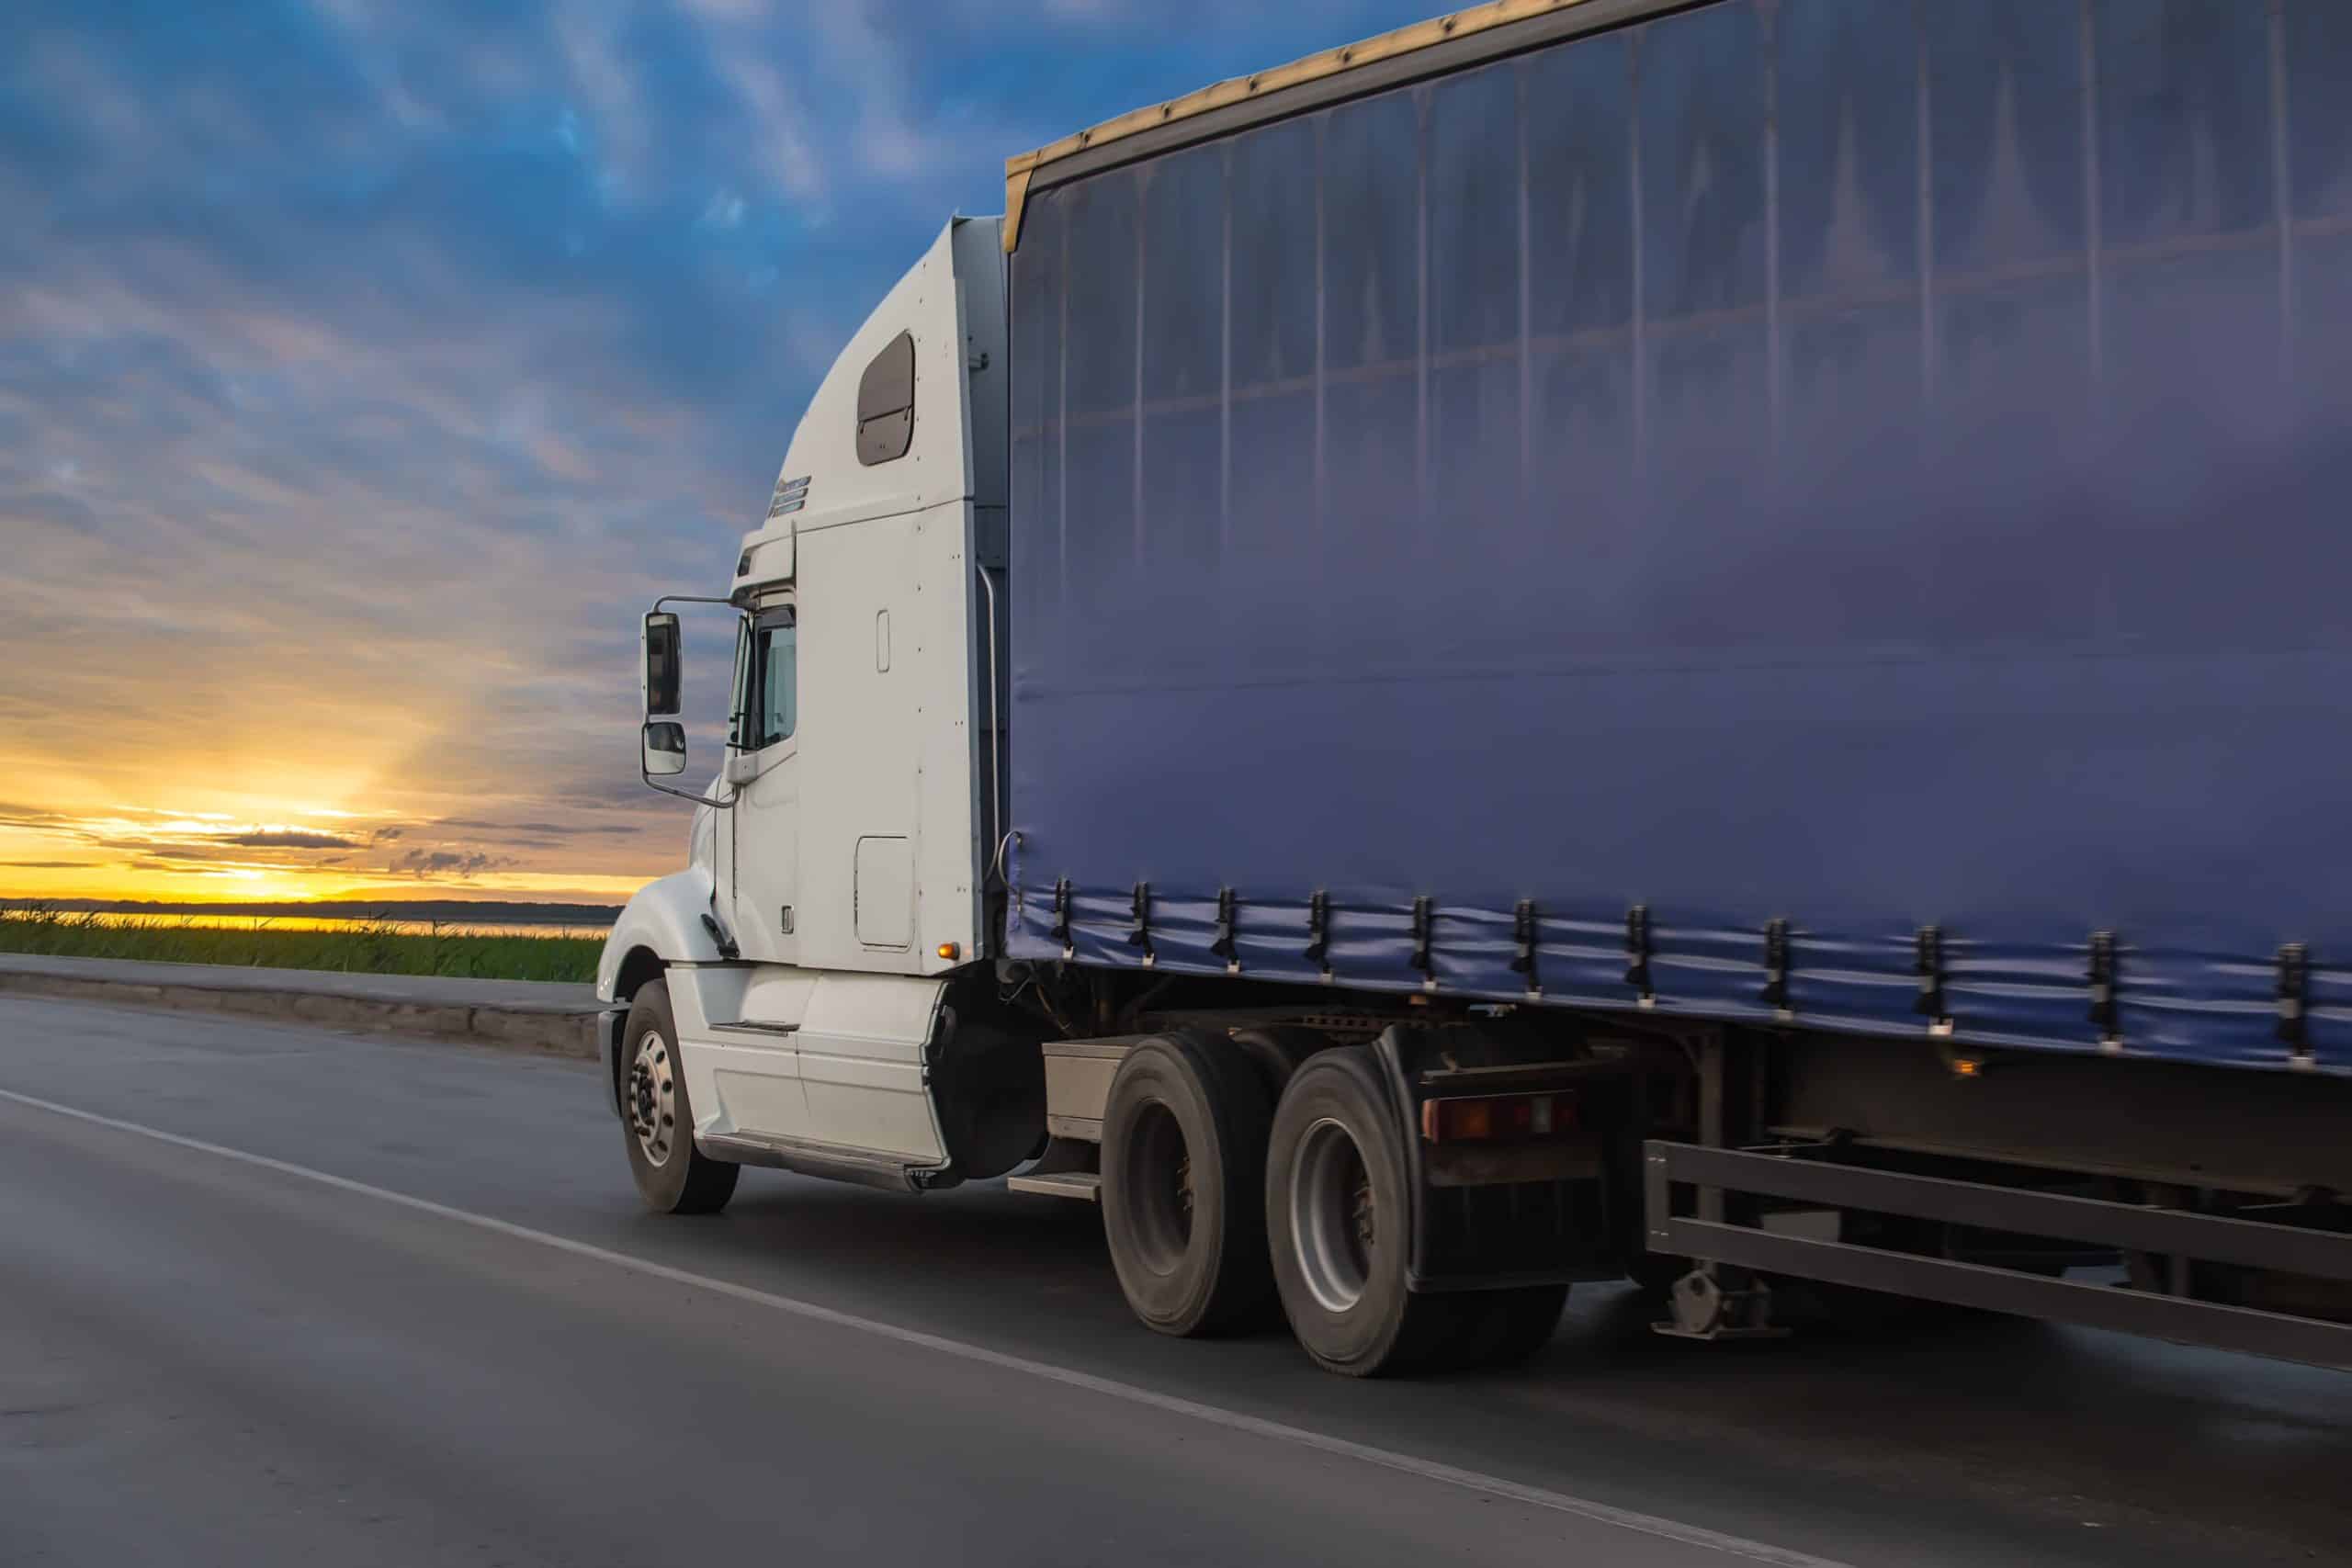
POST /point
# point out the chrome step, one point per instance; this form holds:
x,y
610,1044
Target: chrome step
x,y
1083,1185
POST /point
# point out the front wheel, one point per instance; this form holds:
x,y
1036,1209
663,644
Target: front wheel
x,y
1338,1220
673,1176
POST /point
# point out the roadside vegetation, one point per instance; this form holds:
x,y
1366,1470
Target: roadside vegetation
x,y
359,947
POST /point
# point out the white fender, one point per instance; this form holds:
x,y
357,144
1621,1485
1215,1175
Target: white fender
x,y
665,918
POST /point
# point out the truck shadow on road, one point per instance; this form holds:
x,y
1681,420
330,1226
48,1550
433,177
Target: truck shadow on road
x,y
2101,1428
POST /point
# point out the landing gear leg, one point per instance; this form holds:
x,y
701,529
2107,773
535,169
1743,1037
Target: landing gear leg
x,y
1713,1302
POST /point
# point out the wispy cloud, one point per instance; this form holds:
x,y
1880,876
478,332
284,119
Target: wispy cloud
x,y
364,368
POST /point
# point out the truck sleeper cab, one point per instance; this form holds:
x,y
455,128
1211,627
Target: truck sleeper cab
x,y
1464,667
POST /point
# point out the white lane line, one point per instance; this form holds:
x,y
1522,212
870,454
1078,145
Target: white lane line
x,y
1232,1420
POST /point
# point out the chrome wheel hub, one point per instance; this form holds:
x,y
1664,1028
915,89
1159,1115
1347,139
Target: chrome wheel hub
x,y
1334,1223
652,1097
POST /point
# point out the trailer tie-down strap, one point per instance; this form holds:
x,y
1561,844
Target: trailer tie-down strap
x,y
1638,951
1140,924
1928,962
1223,946
1775,965
2105,1010
1523,940
2294,983
1319,931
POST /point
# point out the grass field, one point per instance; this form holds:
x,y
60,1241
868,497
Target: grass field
x,y
360,947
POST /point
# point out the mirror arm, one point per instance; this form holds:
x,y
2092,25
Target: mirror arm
x,y
725,802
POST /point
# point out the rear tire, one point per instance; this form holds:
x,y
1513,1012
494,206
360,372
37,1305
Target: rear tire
x,y
1183,1165
657,1120
1339,1222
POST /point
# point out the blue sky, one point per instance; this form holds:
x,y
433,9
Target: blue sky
x,y
366,365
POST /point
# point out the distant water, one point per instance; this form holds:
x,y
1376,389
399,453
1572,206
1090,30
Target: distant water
x,y
309,923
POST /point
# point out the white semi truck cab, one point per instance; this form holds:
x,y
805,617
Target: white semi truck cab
x,y
843,860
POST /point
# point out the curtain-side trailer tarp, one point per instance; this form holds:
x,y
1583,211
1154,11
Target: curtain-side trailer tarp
x,y
1860,476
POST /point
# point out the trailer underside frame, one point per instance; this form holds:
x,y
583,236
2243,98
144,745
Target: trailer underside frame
x,y
1690,1189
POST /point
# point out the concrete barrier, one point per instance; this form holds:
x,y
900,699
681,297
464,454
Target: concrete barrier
x,y
515,1015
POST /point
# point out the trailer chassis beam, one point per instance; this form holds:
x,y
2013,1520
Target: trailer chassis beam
x,y
1671,1169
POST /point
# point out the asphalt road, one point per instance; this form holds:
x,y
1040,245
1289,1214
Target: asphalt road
x,y
278,1295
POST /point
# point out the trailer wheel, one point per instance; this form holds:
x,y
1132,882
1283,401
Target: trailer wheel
x,y
673,1176
1277,1051
1338,1220
1183,1162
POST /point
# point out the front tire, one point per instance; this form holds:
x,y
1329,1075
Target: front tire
x,y
673,1176
1183,1165
1339,1222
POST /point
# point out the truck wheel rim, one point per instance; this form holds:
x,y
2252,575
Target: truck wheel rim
x,y
653,1097
1158,1172
1333,1221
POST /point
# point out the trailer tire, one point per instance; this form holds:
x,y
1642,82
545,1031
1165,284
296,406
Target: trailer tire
x,y
1183,1163
1337,1218
1277,1051
657,1121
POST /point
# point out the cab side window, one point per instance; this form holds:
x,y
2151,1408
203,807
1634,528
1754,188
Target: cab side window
x,y
774,666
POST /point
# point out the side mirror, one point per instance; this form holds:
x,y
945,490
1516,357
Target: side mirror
x,y
662,678
665,746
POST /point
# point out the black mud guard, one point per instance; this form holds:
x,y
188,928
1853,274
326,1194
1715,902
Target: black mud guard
x,y
1404,1052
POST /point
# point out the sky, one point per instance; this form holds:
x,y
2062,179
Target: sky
x,y
367,365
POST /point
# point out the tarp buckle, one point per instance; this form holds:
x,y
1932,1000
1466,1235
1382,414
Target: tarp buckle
x,y
1637,953
1523,936
1928,964
1140,924
1775,965
1421,960
2107,1012
2294,985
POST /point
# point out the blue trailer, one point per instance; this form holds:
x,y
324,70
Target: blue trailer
x,y
1765,521
1829,512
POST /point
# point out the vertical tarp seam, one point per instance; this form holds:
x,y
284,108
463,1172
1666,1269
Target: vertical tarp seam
x,y
1142,177
1225,367
1526,295
1424,107
1774,354
2094,235
2282,198
1641,283
1928,351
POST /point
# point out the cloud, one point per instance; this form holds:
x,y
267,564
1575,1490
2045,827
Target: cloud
x,y
449,863
538,829
365,368
291,840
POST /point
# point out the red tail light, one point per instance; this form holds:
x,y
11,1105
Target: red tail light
x,y
1496,1117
